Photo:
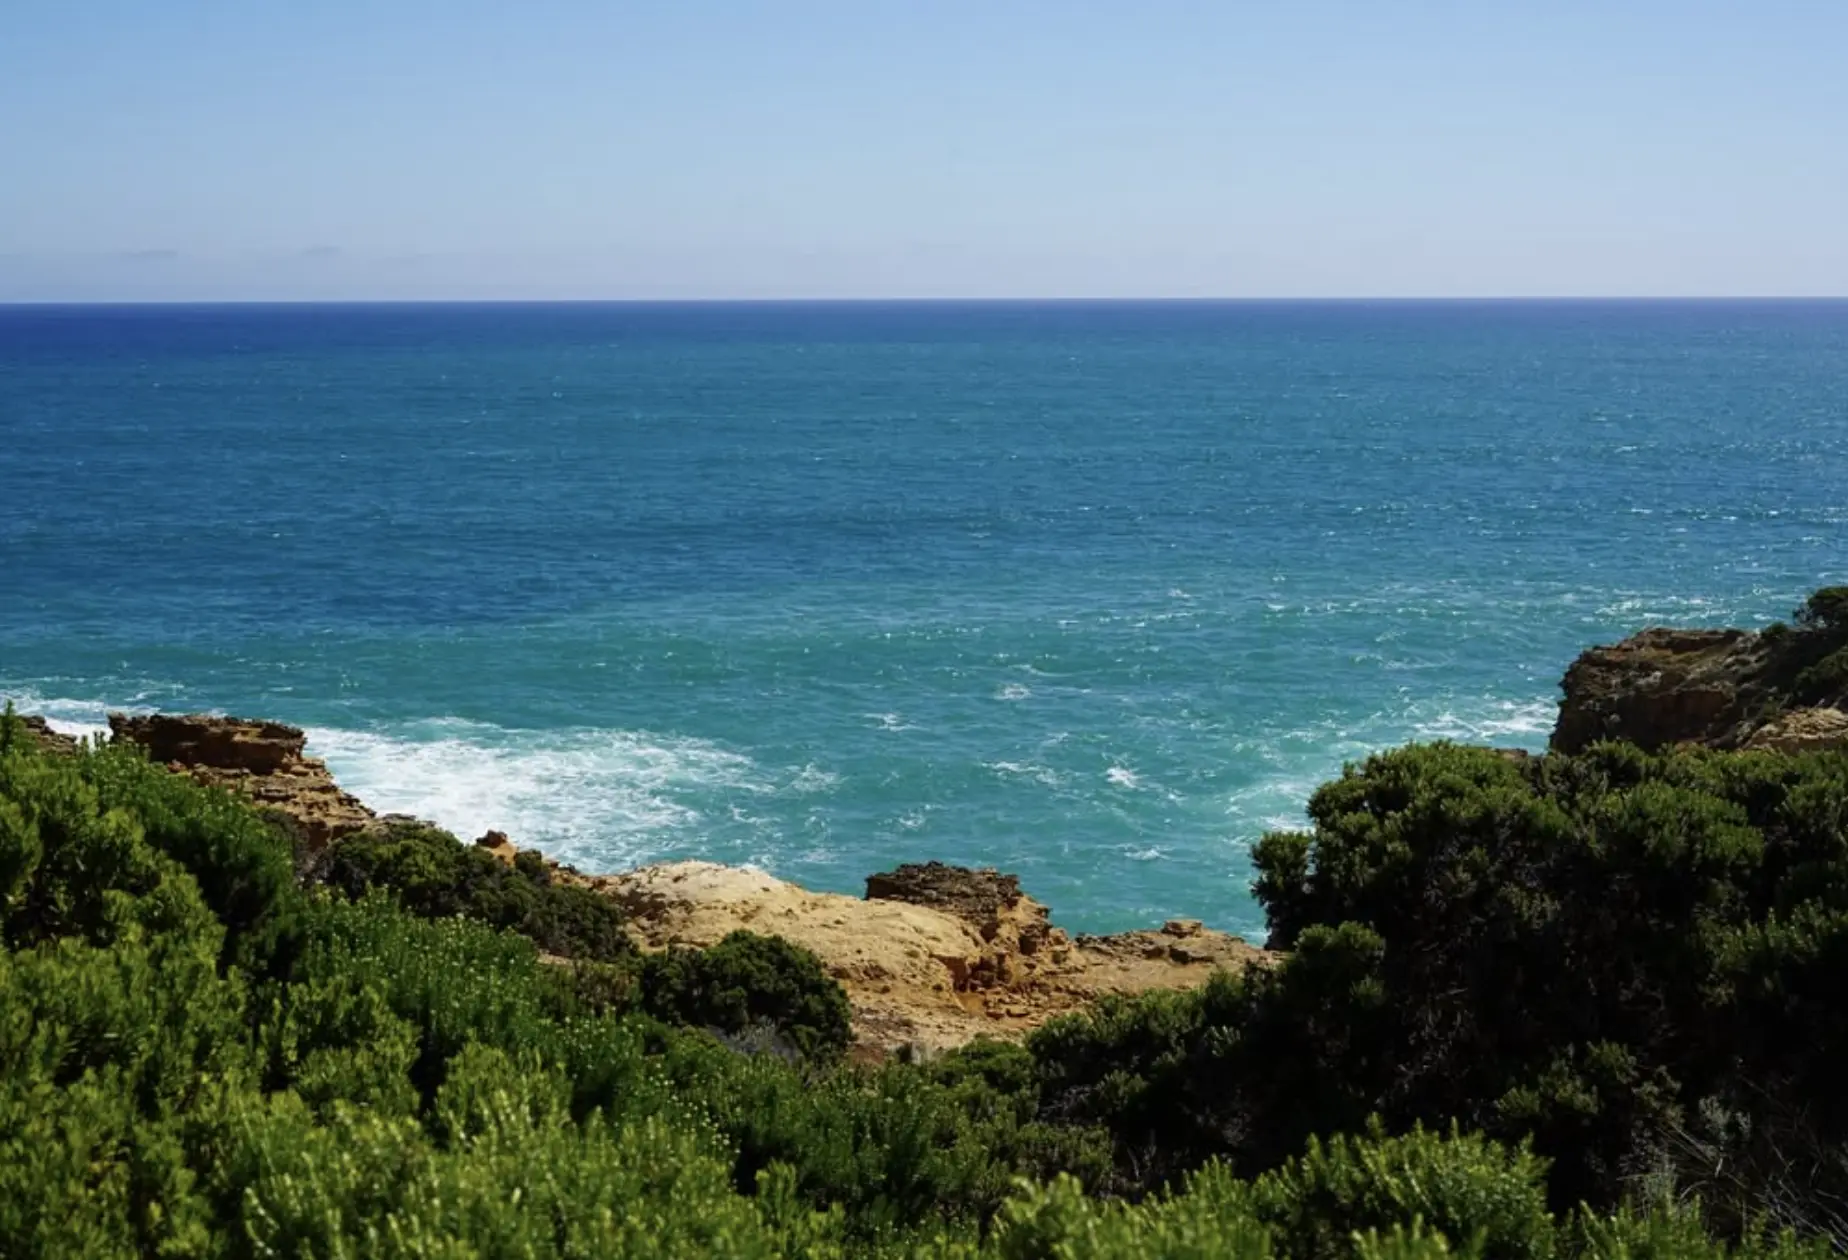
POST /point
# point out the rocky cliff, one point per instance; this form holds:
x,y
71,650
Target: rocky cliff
x,y
265,761
1784,687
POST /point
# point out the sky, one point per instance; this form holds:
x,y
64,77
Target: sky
x,y
433,149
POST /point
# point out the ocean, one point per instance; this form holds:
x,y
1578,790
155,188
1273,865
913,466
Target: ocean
x,y
1096,593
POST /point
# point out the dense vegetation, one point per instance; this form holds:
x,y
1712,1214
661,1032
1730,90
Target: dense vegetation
x,y
434,875
1534,1007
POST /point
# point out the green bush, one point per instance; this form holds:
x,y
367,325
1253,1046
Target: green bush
x,y
1826,609
748,982
1577,949
243,864
1059,1222
434,875
1825,681
1470,1190
452,981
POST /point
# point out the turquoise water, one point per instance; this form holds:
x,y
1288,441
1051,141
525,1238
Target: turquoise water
x,y
1096,593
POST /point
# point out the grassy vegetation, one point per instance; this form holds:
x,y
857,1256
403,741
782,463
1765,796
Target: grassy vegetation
x,y
1584,1006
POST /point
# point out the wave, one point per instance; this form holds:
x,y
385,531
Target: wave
x,y
1044,775
603,799
77,718
1524,721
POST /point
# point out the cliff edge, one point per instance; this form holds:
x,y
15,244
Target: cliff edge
x,y
265,761
932,957
1783,687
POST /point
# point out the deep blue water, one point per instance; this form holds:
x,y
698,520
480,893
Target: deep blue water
x,y
1097,593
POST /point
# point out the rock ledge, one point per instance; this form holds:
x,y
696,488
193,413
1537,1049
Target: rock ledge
x,y
264,761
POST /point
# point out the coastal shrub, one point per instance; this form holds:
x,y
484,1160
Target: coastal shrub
x,y
747,982
1826,609
243,864
1581,950
1058,1221
1246,1068
85,842
996,1084
434,875
452,981
119,1035
888,1146
1811,665
1362,1198
1679,1231
1470,1190
1827,679
1129,1066
109,1061
509,1174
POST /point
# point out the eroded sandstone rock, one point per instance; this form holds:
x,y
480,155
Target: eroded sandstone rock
x,y
1802,730
1720,688
943,955
265,761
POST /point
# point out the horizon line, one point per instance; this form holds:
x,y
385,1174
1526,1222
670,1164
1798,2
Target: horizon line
x,y
1024,300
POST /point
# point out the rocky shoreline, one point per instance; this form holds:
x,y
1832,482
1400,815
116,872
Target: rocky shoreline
x,y
934,955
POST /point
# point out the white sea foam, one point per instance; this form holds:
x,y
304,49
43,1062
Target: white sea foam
x,y
605,799
811,779
76,718
1274,803
1027,770
1494,721
602,798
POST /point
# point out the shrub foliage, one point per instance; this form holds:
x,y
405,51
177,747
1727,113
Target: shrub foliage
x,y
434,875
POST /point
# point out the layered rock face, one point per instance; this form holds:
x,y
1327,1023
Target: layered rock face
x,y
264,761
1721,688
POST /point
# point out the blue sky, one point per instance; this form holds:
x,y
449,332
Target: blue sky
x,y
200,149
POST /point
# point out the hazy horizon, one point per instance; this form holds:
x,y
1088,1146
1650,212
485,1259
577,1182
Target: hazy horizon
x,y
1507,299
418,151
